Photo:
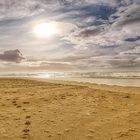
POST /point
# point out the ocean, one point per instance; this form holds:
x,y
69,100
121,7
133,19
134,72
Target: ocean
x,y
108,78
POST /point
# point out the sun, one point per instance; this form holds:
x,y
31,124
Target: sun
x,y
46,30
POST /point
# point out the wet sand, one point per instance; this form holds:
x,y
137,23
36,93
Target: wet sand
x,y
54,110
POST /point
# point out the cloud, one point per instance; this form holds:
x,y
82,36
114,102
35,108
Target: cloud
x,y
128,20
92,31
93,34
12,56
36,65
19,9
133,39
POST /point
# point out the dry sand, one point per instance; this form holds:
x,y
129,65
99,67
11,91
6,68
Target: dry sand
x,y
37,110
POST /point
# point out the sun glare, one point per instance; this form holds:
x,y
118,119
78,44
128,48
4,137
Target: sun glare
x,y
46,30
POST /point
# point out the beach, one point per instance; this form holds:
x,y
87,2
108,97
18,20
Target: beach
x,y
34,109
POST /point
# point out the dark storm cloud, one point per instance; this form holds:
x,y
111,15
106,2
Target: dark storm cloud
x,y
12,56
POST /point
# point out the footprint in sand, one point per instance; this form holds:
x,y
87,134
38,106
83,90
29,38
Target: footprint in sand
x,y
25,136
50,136
27,117
24,109
67,130
27,123
26,131
26,102
15,104
19,106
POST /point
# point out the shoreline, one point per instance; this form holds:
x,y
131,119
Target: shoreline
x,y
62,80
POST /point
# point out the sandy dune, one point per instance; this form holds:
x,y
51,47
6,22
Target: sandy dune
x,y
37,110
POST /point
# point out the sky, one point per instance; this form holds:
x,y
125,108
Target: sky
x,y
93,35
